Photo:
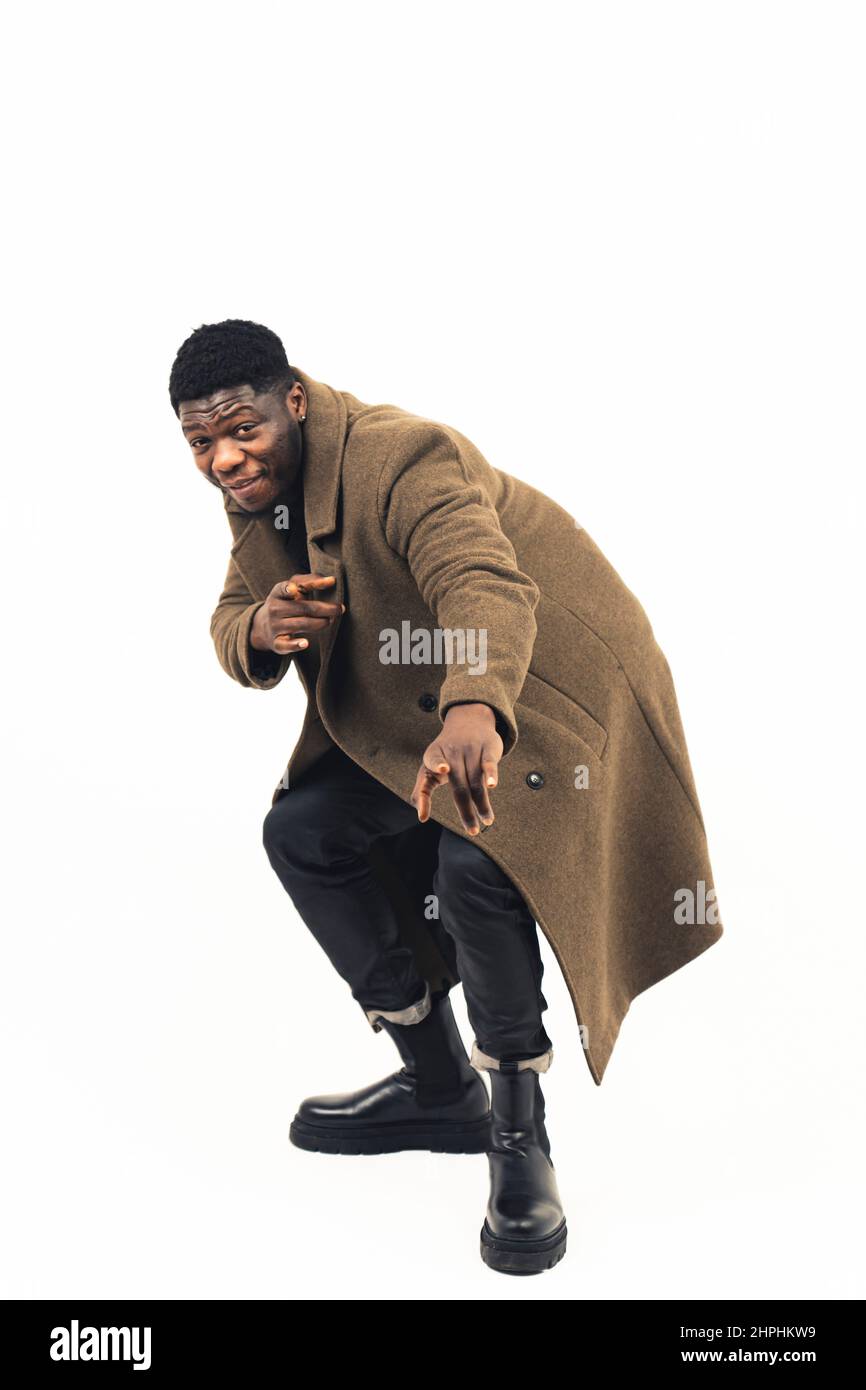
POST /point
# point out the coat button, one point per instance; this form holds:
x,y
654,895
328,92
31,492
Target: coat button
x,y
428,702
534,780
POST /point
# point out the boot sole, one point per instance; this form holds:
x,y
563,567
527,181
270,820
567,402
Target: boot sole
x,y
523,1256
438,1137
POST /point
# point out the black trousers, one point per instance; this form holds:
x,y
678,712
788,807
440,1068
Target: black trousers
x,y
316,837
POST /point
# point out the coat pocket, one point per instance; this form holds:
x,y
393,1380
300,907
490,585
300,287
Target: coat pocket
x,y
537,694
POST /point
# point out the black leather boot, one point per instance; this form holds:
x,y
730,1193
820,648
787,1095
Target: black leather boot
x,y
524,1231
436,1101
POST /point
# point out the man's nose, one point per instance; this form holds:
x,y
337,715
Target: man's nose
x,y
228,457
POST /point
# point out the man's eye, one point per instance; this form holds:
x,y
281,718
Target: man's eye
x,y
250,425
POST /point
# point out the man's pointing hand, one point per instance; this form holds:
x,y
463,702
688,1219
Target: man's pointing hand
x,y
466,754
286,614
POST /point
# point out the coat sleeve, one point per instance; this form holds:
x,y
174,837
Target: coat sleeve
x,y
230,630
447,530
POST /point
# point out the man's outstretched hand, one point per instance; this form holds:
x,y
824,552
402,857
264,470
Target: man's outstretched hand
x,y
466,754
287,613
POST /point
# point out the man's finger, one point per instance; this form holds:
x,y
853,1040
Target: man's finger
x,y
480,799
305,583
298,624
315,607
431,774
435,760
462,793
489,780
420,797
490,769
424,784
479,783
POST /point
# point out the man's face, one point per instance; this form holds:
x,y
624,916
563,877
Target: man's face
x,y
248,445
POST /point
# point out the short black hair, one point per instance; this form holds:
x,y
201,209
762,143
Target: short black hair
x,y
235,352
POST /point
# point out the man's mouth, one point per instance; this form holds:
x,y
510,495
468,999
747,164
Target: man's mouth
x,y
243,484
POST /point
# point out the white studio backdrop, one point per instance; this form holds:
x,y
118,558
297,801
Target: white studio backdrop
x,y
619,247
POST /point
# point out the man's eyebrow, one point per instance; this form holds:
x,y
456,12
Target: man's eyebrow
x,y
224,415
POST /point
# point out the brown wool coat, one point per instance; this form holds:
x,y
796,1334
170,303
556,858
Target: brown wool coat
x,y
417,526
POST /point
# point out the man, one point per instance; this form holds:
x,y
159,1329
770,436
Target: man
x,y
456,632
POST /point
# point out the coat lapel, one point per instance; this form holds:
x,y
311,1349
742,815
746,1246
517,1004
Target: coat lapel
x,y
259,548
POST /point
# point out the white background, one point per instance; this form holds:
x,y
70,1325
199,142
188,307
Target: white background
x,y
621,247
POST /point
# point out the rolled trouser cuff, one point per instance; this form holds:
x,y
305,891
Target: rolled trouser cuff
x,y
413,1014
483,1062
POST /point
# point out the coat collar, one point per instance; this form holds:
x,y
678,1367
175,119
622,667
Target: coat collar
x,y
324,440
